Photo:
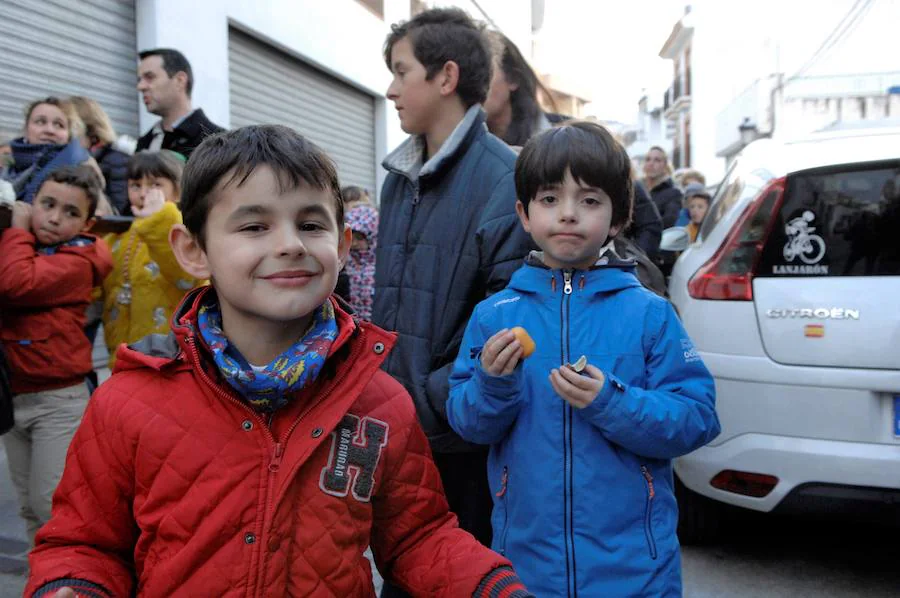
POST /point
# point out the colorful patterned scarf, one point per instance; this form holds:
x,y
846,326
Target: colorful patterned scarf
x,y
271,387
361,265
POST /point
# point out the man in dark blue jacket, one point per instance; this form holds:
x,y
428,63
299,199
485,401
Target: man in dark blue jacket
x,y
448,233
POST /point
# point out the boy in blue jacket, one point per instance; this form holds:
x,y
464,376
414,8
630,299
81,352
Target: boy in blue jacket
x,y
580,463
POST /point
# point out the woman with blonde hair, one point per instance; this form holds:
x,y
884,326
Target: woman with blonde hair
x,y
50,141
658,179
665,194
110,151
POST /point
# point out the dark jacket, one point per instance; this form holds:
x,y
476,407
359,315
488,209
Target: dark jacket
x,y
32,162
448,237
667,198
114,165
646,224
186,136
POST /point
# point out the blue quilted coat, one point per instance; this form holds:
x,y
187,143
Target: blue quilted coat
x,y
583,499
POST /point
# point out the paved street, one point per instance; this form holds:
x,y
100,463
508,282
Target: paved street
x,y
783,557
764,557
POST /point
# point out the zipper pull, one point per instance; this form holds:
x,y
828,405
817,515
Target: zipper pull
x,y
503,480
649,479
275,463
416,197
567,278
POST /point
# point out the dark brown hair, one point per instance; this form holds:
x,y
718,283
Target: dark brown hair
x,y
590,153
440,35
162,164
173,62
82,176
231,157
526,110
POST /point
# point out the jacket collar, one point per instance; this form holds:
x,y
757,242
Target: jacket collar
x,y
185,345
407,159
610,273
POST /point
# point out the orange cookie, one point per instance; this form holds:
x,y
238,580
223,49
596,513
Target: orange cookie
x,y
525,340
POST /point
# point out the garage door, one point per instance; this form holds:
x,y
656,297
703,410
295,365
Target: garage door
x,y
66,47
270,87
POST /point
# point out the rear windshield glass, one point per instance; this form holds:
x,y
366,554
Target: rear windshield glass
x,y
839,221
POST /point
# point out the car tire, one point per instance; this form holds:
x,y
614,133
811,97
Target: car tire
x,y
700,520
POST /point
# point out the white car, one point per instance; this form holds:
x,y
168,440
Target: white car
x,y
791,294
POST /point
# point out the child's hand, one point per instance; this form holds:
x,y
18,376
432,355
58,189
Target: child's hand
x,y
501,353
576,389
21,215
153,202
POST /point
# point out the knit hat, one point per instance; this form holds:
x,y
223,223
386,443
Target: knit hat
x,y
695,190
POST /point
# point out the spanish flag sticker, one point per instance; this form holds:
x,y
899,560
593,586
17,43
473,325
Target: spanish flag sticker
x,y
814,331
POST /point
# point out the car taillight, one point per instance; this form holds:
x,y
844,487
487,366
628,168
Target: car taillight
x,y
728,275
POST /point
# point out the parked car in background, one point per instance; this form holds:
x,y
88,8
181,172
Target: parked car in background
x,y
791,294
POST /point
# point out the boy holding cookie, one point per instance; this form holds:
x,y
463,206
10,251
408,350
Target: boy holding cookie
x,y
580,458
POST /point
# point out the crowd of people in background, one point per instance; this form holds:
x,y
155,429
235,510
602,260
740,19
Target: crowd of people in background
x,y
474,198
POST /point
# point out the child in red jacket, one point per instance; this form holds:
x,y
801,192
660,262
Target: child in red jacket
x,y
258,449
48,267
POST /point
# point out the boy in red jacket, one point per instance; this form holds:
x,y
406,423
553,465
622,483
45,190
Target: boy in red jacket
x,y
48,267
258,449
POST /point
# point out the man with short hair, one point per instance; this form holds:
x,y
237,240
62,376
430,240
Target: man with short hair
x,y
165,81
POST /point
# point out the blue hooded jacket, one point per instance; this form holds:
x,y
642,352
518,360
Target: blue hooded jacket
x,y
583,498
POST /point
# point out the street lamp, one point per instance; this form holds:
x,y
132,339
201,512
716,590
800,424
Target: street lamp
x,y
748,131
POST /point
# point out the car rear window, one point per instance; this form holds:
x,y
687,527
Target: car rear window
x,y
837,221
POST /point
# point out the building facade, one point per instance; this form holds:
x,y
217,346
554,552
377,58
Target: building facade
x,y
313,65
677,100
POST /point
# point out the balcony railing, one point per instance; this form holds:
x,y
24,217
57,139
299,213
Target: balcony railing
x,y
677,90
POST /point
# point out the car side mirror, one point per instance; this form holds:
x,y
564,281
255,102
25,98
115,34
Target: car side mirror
x,y
676,238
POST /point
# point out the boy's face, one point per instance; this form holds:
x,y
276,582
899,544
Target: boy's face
x,y
697,207
570,222
415,98
59,213
272,257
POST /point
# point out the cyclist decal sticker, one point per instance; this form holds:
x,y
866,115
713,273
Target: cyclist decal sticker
x,y
804,249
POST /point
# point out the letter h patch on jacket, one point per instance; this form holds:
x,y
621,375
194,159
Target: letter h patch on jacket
x,y
354,457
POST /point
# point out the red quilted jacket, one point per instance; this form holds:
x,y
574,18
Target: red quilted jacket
x,y
43,299
175,487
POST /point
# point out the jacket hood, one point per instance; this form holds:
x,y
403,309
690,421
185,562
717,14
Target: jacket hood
x,y
364,219
609,274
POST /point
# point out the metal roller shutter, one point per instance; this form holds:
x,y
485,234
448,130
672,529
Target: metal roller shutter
x,y
68,47
269,87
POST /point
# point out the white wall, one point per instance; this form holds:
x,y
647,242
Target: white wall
x,y
341,37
